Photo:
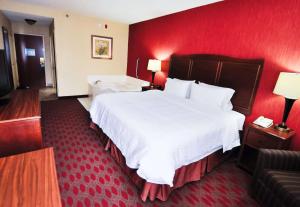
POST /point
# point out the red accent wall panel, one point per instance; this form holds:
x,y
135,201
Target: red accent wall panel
x,y
268,29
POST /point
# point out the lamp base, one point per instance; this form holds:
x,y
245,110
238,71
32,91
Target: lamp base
x,y
282,127
153,76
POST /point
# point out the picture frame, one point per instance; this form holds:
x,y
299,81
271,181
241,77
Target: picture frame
x,y
102,47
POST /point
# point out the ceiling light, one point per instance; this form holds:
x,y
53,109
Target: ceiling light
x,y
30,21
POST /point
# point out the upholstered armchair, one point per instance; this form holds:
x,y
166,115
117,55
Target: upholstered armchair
x,y
276,179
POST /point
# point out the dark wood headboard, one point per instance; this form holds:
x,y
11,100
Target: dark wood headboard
x,y
242,75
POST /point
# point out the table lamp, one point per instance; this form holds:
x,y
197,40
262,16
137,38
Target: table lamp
x,y
154,66
288,86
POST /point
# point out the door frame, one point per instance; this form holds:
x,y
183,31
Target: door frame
x,y
53,60
8,59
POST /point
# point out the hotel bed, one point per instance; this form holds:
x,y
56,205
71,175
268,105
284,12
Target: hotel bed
x,y
163,140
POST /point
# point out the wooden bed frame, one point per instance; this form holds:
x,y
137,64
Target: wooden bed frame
x,y
242,75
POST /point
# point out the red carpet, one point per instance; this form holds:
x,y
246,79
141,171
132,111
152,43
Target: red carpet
x,y
88,176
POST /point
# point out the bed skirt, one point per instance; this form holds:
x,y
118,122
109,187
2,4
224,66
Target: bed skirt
x,y
189,173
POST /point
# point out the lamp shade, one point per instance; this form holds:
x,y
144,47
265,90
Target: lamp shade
x,y
288,85
154,65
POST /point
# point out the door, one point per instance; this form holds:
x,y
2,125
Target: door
x,y
7,57
30,61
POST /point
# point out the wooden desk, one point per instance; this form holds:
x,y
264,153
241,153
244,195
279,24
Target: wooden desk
x,y
29,179
20,125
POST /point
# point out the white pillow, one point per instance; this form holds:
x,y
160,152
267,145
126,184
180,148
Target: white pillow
x,y
188,93
178,87
228,106
213,95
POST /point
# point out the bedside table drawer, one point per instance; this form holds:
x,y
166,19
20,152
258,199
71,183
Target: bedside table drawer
x,y
258,140
255,138
155,87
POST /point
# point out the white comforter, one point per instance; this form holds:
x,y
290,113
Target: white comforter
x,y
158,133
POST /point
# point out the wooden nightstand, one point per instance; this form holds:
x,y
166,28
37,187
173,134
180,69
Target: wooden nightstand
x,y
256,137
154,87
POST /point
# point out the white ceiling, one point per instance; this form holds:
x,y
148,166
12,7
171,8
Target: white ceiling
x,y
19,17
126,11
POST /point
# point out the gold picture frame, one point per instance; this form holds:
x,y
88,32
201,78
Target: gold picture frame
x,y
102,47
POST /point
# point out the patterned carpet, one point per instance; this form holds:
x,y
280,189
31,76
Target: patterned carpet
x,y
88,176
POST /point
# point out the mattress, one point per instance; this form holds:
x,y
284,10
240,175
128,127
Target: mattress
x,y
158,133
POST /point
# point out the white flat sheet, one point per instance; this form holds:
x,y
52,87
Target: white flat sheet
x,y
158,133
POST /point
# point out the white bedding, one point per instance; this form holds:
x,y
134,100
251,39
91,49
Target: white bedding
x,y
158,133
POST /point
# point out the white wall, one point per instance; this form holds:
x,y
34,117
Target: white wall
x,y
23,28
73,46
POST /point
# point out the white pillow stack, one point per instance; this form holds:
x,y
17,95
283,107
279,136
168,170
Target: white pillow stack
x,y
202,93
180,88
213,95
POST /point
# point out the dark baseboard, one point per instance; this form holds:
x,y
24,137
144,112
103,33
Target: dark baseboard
x,y
72,97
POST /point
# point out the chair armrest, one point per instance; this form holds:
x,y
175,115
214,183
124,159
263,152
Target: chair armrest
x,y
277,160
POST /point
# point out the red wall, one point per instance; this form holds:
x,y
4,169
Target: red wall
x,y
268,29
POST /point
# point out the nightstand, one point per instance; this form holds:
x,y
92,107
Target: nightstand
x,y
154,87
256,137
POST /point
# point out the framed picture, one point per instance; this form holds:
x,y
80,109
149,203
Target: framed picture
x,y
102,47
